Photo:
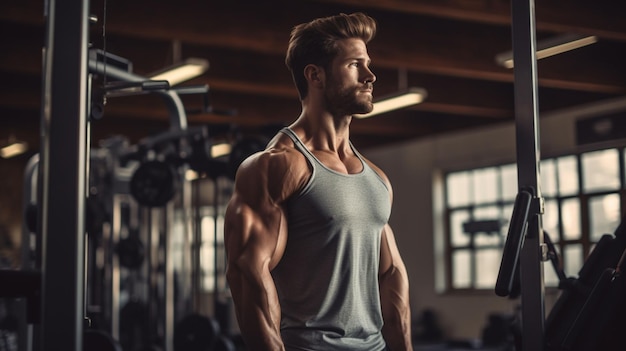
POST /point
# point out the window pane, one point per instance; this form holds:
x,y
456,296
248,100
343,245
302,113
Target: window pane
x,y
570,215
509,181
550,278
548,177
487,213
507,212
604,215
487,267
457,236
485,185
487,239
458,189
600,170
461,265
572,259
568,175
550,219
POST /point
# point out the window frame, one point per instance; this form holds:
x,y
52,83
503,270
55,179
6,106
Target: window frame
x,y
582,197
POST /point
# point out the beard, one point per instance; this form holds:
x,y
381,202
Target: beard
x,y
348,101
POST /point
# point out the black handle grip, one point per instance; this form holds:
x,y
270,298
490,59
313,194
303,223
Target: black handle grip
x,y
513,244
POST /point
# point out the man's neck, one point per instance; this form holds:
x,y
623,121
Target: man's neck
x,y
322,131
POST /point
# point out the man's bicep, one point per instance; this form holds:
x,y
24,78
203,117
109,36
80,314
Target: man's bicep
x,y
389,255
252,236
385,251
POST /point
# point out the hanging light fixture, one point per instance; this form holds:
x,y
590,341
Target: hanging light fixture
x,y
221,149
13,148
550,47
181,71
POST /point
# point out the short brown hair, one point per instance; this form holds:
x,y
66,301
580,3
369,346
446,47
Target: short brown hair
x,y
315,42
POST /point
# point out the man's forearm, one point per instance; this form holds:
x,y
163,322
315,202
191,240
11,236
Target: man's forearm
x,y
394,296
258,312
258,333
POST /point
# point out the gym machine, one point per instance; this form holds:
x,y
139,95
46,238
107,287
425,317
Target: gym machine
x,y
137,195
53,292
524,249
589,315
61,281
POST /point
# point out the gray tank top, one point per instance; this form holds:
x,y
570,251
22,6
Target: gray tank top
x,y
327,280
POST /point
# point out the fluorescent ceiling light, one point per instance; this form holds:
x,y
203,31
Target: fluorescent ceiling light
x,y
13,149
183,71
221,149
409,97
550,47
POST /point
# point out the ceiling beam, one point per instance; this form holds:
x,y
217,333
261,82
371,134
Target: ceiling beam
x,y
602,19
388,53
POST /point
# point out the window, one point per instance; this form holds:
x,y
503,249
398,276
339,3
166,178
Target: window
x,y
583,195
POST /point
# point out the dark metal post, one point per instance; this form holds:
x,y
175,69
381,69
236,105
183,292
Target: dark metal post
x,y
62,174
29,262
527,134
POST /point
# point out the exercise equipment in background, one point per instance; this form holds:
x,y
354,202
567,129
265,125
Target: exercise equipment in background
x,y
154,183
590,314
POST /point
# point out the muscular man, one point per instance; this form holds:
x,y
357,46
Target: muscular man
x,y
312,262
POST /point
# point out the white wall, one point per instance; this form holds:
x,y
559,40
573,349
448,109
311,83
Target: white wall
x,y
415,169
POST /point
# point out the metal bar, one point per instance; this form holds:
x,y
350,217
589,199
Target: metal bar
x,y
527,135
62,174
168,278
178,116
30,250
154,296
29,240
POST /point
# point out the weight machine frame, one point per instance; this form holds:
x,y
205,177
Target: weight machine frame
x,y
62,173
63,164
524,245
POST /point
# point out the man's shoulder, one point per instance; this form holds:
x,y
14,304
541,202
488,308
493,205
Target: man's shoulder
x,y
279,155
280,168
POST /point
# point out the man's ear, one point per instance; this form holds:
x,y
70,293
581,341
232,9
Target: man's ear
x,y
315,75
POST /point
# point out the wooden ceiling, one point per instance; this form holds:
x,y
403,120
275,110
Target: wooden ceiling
x,y
447,47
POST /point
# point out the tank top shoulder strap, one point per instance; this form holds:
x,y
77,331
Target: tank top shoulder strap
x,y
299,145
